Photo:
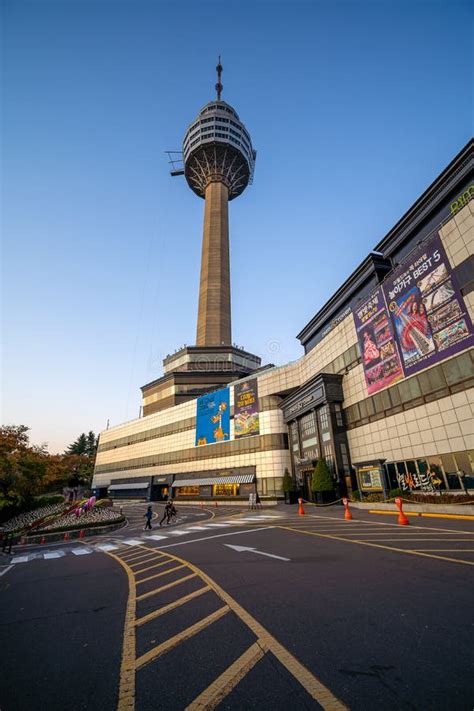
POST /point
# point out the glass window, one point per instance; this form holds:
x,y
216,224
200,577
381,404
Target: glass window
x,y
345,458
187,491
225,490
339,418
323,418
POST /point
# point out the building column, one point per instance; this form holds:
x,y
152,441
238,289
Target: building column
x,y
214,318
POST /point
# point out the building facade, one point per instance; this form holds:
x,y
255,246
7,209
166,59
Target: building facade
x,y
384,390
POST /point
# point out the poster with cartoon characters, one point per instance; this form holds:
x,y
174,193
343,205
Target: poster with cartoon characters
x,y
213,418
246,413
426,308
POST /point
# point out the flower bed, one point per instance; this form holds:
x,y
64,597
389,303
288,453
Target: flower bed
x,y
94,516
29,518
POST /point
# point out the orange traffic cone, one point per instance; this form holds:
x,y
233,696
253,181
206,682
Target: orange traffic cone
x,y
81,533
66,536
215,504
347,513
202,505
300,507
43,540
402,519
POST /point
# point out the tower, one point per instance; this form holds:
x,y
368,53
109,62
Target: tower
x,y
218,164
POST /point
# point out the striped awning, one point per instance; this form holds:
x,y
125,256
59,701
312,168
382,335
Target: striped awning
x,y
231,479
128,487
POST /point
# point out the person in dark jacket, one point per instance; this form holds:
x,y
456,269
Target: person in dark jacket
x,y
167,512
148,516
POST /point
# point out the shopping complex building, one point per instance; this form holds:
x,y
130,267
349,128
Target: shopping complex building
x,y
383,390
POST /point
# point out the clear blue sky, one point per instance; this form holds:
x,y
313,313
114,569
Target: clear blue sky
x,y
354,108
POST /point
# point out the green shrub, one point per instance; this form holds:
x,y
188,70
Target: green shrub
x,y
322,479
355,496
288,483
104,503
395,492
374,498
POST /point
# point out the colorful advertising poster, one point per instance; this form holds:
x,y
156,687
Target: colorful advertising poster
x,y
426,307
213,418
377,346
246,414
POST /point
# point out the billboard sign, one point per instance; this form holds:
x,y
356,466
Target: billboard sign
x,y
213,418
246,412
428,313
378,350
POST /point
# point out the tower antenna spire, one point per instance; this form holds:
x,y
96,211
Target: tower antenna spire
x,y
219,86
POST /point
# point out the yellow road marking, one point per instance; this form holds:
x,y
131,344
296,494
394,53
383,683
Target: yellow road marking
x,y
420,538
394,513
180,637
172,606
159,575
308,681
378,545
126,700
166,587
150,567
228,680
143,561
447,550
463,517
135,555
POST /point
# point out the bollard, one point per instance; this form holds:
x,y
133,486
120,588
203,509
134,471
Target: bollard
x,y
402,519
66,536
347,513
300,507
43,540
23,540
215,505
81,533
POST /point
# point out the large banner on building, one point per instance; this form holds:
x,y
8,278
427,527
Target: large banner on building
x,y
427,310
378,350
213,418
246,412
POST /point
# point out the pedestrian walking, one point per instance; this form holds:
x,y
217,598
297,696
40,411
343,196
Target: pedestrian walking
x,y
148,516
167,512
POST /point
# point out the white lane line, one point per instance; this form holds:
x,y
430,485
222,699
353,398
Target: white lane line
x,y
133,542
81,551
177,533
218,535
196,528
6,570
21,559
155,537
216,525
53,554
106,547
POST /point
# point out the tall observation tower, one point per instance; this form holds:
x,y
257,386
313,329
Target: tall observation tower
x,y
218,164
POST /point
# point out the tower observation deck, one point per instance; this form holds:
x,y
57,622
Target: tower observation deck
x,y
218,165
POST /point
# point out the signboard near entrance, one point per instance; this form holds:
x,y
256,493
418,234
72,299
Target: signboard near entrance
x,y
370,478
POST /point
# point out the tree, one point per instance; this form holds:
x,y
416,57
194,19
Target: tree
x,y
79,446
91,448
288,482
22,467
84,445
321,480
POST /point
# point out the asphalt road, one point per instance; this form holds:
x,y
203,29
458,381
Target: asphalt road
x,y
361,614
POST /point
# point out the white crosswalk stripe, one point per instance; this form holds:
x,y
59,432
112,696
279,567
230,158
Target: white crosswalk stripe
x,y
53,554
81,551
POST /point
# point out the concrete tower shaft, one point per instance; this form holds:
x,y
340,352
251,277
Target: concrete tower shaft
x,y
214,314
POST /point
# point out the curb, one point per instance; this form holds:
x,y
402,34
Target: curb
x,y
464,517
